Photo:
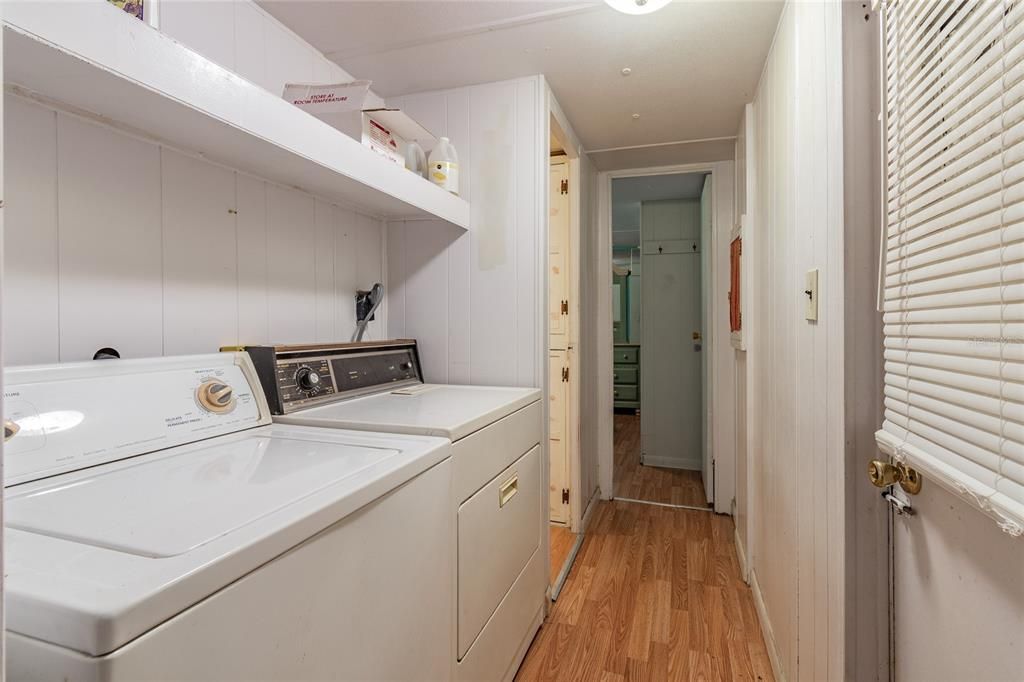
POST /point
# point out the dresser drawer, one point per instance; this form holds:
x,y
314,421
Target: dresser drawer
x,y
625,392
626,356
498,532
624,375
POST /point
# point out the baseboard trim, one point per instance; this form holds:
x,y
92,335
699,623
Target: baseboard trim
x,y
563,574
766,629
672,463
741,553
588,512
664,504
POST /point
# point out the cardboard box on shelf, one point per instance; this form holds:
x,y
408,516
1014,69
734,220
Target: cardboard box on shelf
x,y
386,131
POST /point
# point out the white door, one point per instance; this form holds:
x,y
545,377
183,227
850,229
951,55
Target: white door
x,y
954,352
671,386
558,258
558,414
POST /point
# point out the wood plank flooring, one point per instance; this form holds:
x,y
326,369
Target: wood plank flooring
x,y
652,484
562,540
655,594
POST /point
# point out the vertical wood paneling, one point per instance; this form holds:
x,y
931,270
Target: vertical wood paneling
x,y
397,278
370,247
289,60
529,198
206,26
251,228
291,265
112,241
796,500
346,277
199,256
426,271
30,310
490,294
249,42
110,265
326,227
493,274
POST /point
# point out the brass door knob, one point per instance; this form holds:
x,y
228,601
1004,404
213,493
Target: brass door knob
x,y
215,396
11,429
885,474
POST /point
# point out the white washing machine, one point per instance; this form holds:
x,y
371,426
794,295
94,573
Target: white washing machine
x,y
158,526
498,495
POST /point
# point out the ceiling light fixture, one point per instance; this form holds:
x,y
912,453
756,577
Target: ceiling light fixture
x,y
637,6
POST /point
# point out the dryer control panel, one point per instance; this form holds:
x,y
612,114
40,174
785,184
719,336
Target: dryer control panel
x,y
295,377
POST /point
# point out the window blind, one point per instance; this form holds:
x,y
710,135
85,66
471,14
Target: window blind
x,y
953,250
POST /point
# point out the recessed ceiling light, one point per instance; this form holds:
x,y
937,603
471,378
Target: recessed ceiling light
x,y
636,116
626,71
637,6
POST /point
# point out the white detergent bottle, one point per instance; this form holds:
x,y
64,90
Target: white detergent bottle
x,y
443,166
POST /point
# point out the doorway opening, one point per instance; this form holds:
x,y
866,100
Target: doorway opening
x,y
660,226
565,538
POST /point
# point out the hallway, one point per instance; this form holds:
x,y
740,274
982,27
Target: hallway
x,y
650,484
655,594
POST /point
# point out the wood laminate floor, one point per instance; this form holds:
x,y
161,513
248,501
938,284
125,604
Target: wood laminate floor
x,y
655,594
562,540
652,484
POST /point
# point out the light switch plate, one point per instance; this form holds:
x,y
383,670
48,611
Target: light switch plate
x,y
811,294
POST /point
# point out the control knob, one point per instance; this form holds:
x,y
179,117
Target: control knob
x,y
307,379
215,396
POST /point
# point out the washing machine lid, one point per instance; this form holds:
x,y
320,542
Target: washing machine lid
x,y
98,556
449,411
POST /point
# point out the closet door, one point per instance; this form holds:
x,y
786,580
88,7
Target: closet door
x,y
671,418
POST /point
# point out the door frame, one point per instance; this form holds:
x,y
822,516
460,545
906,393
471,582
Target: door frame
x,y
570,146
719,408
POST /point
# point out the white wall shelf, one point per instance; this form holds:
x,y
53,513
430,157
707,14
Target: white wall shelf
x,y
90,58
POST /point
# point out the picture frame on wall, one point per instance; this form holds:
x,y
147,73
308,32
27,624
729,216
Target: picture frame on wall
x,y
738,282
136,8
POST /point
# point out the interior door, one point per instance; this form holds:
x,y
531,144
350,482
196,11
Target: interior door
x,y
708,467
558,414
671,419
558,258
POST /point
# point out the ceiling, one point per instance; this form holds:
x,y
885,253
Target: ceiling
x,y
628,193
693,64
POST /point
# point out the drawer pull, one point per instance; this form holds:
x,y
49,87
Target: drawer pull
x,y
508,490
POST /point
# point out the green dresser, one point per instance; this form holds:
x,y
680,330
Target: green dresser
x,y
626,375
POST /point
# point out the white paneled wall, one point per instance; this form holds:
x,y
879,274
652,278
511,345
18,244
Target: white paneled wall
x,y
797,511
115,241
474,300
240,36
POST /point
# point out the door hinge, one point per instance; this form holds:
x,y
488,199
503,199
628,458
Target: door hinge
x,y
565,374
565,307
565,186
565,496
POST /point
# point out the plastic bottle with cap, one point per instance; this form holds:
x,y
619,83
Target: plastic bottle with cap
x,y
443,166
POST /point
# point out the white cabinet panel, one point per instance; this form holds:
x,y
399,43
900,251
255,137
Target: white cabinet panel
x,y
250,42
206,26
30,234
109,208
291,270
251,230
324,219
200,273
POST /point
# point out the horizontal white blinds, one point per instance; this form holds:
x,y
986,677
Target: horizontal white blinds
x,y
953,280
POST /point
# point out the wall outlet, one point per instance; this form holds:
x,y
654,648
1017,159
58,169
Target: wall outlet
x,y
811,295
